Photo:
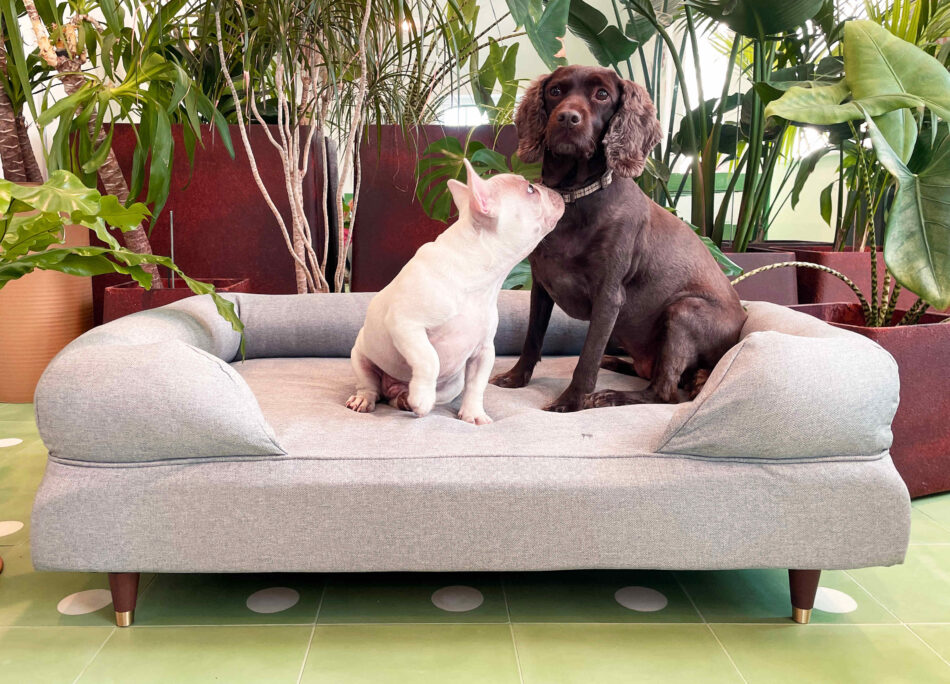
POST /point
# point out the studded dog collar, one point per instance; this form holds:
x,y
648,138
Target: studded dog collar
x,y
572,196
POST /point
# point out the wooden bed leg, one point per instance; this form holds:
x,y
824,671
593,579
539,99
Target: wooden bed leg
x,y
125,588
803,585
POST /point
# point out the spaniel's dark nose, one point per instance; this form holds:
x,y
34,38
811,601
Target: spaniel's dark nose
x,y
568,118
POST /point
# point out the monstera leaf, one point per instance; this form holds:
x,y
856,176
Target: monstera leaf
x,y
883,75
759,18
917,237
545,24
444,159
606,42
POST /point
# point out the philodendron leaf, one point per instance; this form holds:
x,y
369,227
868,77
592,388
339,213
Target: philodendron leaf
x,y
545,25
519,278
30,232
606,42
118,216
759,18
62,193
917,235
728,266
882,74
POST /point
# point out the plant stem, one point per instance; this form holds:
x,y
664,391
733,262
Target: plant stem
x,y
698,211
914,313
756,130
865,307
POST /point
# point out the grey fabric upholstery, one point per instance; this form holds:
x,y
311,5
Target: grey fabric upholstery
x,y
188,477
143,402
784,396
326,325
469,514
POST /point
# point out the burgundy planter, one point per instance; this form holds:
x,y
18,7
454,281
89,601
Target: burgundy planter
x,y
778,286
921,449
126,298
223,228
390,224
815,287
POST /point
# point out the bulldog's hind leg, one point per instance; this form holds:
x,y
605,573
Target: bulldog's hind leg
x,y
368,386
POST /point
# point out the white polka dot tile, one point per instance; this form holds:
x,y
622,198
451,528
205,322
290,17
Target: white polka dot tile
x,y
273,600
457,598
834,601
10,527
84,602
10,442
641,599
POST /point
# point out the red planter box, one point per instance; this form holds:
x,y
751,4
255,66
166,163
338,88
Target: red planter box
x,y
815,287
129,297
921,449
390,224
779,286
223,227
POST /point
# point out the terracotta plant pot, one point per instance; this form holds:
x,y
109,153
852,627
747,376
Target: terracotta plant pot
x,y
921,449
41,313
126,298
779,286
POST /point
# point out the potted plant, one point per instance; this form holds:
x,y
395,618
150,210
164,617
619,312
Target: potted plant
x,y
34,237
140,80
900,97
844,205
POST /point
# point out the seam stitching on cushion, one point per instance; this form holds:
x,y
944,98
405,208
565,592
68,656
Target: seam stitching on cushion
x,y
210,460
220,364
699,405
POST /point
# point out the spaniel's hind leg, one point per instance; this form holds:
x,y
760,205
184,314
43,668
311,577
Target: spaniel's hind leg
x,y
618,365
684,336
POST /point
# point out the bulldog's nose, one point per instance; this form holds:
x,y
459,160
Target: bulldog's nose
x,y
568,118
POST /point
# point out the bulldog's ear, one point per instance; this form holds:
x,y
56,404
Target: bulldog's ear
x,y
476,195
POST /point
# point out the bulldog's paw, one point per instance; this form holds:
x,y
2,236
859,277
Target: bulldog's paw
x,y
421,400
512,379
474,417
361,404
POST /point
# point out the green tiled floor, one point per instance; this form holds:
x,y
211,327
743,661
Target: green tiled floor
x,y
527,628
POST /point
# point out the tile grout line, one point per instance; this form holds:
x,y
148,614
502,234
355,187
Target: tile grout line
x,y
709,628
511,629
899,619
924,642
95,655
313,630
936,522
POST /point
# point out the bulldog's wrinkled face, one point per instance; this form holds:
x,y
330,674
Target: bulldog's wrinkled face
x,y
507,207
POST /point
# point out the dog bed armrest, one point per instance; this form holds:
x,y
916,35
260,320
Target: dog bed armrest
x,y
777,396
151,386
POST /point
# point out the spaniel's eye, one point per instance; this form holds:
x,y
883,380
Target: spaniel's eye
x,y
530,189
555,91
602,94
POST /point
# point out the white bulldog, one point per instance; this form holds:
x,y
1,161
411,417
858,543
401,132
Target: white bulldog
x,y
429,334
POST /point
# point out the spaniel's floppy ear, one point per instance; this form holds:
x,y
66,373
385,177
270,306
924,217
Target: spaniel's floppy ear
x,y
634,131
531,119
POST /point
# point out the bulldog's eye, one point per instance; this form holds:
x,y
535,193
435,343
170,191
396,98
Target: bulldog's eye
x,y
555,91
530,189
602,94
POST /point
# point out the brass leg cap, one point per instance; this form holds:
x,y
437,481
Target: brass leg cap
x,y
801,615
123,618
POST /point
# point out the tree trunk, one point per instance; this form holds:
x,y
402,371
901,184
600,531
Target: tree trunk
x,y
10,153
110,174
33,173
